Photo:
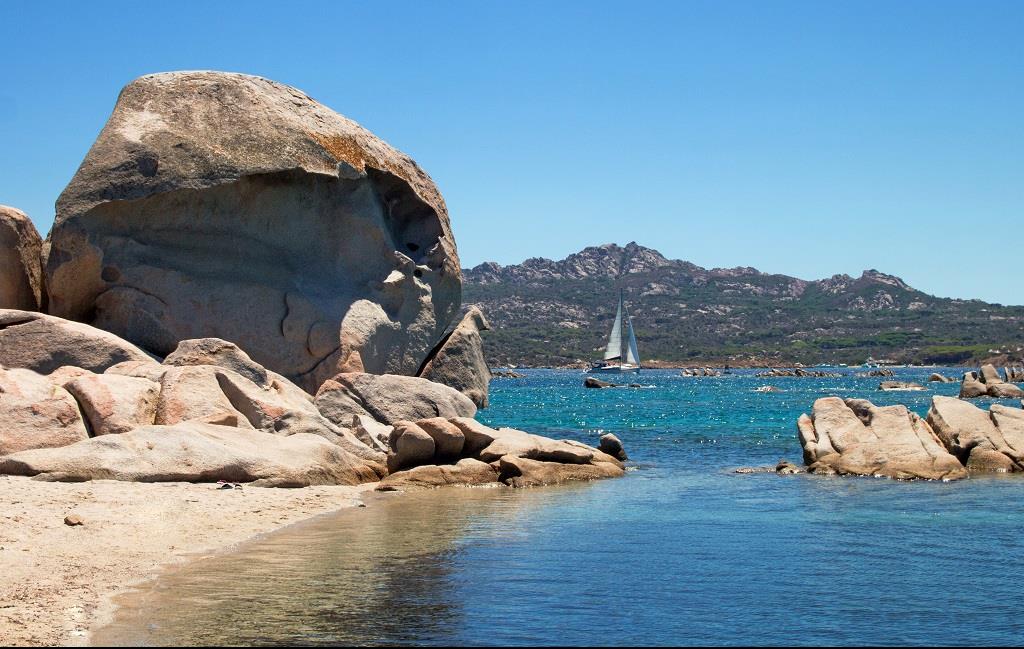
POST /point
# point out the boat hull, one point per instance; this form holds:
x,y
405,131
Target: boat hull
x,y
613,370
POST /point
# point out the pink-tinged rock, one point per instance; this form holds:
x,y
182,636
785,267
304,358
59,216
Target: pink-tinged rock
x,y
36,413
114,404
195,452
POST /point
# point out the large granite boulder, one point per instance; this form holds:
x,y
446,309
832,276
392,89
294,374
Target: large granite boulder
x,y
195,452
389,398
36,413
43,343
21,259
230,206
458,361
855,437
990,441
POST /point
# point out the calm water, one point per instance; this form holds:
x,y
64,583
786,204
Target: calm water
x,y
681,551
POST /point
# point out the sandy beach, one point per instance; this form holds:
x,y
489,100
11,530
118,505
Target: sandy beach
x,y
57,581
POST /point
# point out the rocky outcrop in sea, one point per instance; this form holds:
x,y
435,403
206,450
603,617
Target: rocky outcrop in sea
x,y
988,383
856,437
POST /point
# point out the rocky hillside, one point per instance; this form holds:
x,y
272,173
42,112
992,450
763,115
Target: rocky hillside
x,y
546,312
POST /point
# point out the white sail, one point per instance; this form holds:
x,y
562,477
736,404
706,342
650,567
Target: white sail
x,y
632,354
614,349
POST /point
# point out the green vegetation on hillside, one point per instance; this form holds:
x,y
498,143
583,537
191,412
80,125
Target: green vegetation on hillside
x,y
557,313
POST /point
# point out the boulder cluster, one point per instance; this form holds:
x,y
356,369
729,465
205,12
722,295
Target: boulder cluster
x,y
900,386
799,373
881,372
241,284
988,383
856,437
700,371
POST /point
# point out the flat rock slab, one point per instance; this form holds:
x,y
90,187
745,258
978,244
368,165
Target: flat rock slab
x,y
195,452
466,472
522,472
855,437
389,398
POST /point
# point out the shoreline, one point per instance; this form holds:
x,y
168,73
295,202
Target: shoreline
x,y
59,582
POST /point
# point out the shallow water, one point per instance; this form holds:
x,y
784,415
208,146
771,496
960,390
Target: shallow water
x,y
681,551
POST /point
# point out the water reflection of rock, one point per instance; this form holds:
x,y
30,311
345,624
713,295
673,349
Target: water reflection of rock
x,y
381,575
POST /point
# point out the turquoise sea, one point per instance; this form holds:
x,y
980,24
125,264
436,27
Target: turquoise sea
x,y
681,551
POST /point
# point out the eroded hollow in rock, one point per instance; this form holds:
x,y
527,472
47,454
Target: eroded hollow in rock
x,y
277,263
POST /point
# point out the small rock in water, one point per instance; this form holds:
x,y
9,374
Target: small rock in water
x,y
890,386
785,467
591,382
73,520
611,445
745,470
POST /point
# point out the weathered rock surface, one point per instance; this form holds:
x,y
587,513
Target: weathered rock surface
x,y
371,432
214,351
115,404
21,272
988,383
856,437
935,377
467,472
1014,374
194,393
36,413
195,452
509,441
43,343
523,472
458,361
389,398
977,437
230,206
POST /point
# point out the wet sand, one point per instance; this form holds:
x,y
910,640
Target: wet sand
x,y
58,581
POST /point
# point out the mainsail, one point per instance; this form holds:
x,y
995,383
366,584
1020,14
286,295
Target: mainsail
x,y
632,354
614,350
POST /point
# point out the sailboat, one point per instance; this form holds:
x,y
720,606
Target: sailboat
x,y
614,361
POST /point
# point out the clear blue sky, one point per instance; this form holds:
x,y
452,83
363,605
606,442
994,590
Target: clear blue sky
x,y
807,138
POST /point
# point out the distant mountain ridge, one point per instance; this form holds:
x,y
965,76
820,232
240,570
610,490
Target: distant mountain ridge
x,y
547,312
